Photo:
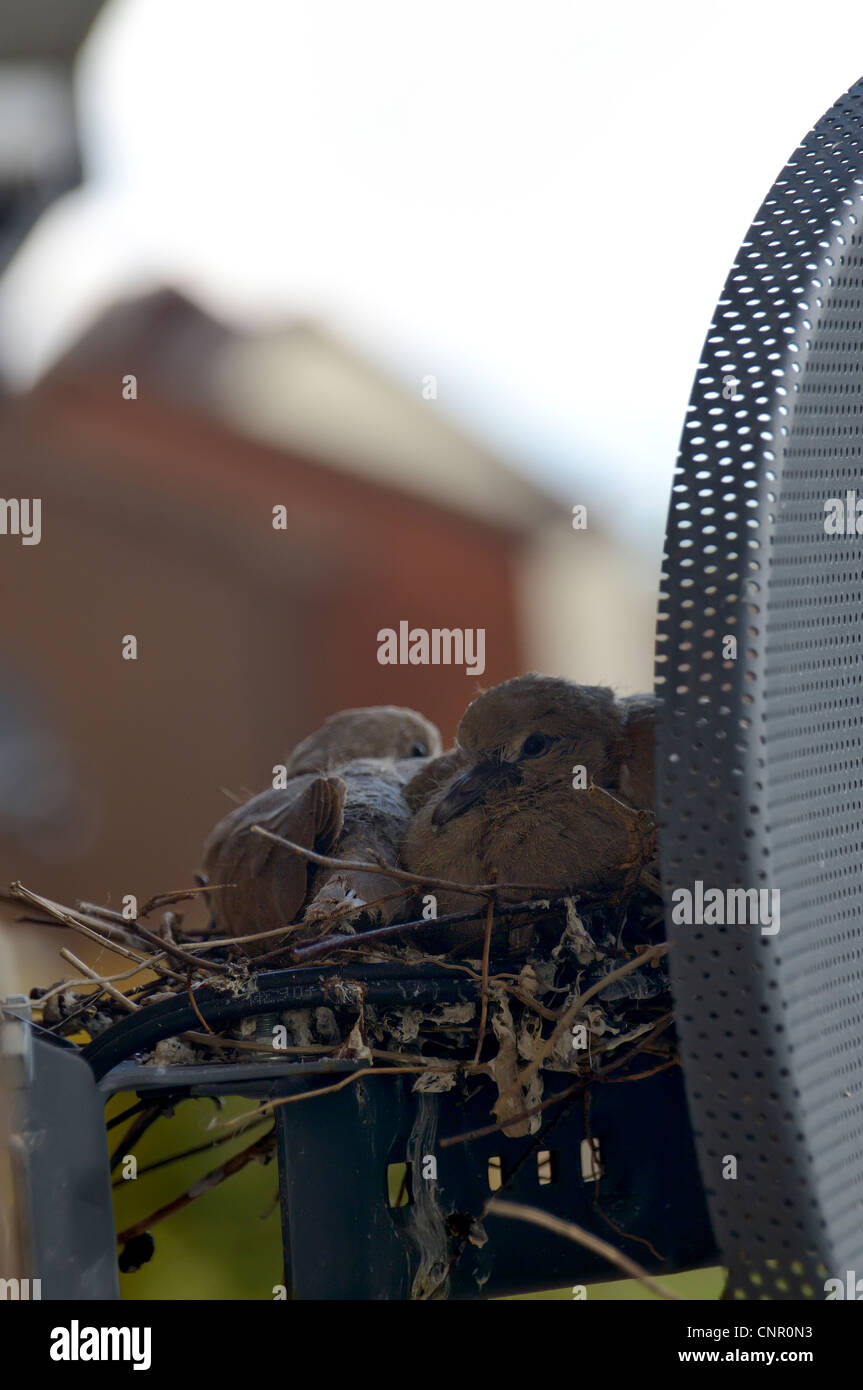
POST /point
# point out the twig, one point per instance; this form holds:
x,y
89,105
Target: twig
x,y
243,1045
177,952
333,916
180,895
213,943
567,1018
478,890
133,925
525,999
643,1075
40,1001
104,919
127,1114
424,1062
598,1175
194,1003
137,1129
185,1153
70,920
336,1086
601,1079
448,919
97,923
258,1149
517,1211
99,910
659,1027
486,950
511,1119
63,1023
128,1004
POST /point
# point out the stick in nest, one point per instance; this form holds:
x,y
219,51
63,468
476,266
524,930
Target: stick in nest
x,y
472,1134
128,1004
70,920
486,951
352,1076
517,1211
568,1017
444,885
470,914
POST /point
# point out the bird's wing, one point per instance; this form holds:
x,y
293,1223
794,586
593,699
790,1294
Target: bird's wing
x,y
269,882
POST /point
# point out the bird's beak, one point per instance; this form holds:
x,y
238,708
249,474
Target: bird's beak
x,y
471,788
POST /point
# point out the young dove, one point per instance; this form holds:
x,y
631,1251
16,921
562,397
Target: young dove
x,y
336,801
380,731
503,806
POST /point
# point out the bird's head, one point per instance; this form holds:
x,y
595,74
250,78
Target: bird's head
x,y
531,732
379,731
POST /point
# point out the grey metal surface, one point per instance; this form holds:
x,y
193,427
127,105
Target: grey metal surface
x,y
344,1241
761,756
60,1150
217,1078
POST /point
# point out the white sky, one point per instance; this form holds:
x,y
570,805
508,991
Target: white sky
x,y
538,202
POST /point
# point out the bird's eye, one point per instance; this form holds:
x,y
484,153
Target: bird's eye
x,y
419,750
535,745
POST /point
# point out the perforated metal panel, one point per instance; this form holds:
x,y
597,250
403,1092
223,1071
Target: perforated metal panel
x,y
760,778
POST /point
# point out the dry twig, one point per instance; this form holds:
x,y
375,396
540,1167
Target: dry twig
x,y
444,885
517,1211
569,1015
259,1148
486,949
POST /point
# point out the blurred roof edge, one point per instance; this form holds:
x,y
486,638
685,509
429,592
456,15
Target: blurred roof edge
x,y
299,387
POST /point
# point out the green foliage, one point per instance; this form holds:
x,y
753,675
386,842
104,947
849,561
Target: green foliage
x,y
696,1284
227,1243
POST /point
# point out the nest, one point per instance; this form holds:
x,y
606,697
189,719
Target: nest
x,y
561,984
565,984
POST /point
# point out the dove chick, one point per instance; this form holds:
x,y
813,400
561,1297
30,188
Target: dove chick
x,y
379,731
336,801
504,805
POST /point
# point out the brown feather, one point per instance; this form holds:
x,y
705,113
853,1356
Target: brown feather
x,y
503,815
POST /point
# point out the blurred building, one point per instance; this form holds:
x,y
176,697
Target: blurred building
x,y
157,502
